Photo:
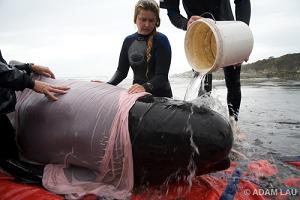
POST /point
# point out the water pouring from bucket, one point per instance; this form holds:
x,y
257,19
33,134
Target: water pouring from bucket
x,y
210,45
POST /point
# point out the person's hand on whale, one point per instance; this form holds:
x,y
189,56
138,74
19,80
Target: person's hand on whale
x,y
97,81
45,71
136,88
49,90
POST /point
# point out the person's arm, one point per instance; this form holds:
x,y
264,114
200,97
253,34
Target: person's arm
x,y
21,66
175,17
243,10
30,67
123,66
13,78
117,78
162,56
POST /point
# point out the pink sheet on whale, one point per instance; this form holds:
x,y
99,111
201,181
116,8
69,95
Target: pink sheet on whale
x,y
83,138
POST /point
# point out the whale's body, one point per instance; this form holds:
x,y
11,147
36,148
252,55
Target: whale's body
x,y
105,132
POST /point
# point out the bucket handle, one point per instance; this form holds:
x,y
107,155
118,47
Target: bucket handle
x,y
209,14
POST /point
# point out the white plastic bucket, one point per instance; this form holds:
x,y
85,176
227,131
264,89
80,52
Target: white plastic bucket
x,y
211,44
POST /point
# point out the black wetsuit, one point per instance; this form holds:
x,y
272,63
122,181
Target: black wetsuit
x,y
153,76
221,10
12,78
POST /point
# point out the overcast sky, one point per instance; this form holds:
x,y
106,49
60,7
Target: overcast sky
x,y
78,38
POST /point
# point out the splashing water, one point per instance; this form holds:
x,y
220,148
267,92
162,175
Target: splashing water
x,y
191,166
196,94
196,83
190,130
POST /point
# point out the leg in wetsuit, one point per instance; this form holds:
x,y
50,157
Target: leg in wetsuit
x,y
208,82
207,85
233,84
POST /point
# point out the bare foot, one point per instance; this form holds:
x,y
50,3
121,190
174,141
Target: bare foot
x,y
237,133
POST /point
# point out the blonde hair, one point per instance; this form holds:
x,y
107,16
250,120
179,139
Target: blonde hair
x,y
152,6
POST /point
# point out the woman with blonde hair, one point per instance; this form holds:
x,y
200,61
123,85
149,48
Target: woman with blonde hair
x,y
147,52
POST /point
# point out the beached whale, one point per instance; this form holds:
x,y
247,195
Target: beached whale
x,y
174,134
99,139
